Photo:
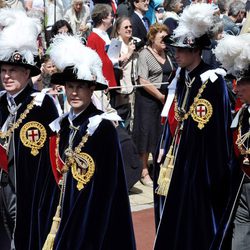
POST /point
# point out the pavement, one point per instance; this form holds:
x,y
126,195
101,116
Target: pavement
x,y
141,197
141,201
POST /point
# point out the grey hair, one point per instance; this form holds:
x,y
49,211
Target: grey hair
x,y
217,27
169,5
223,5
236,7
100,12
76,1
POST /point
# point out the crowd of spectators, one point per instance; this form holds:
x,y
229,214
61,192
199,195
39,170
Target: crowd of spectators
x,y
139,75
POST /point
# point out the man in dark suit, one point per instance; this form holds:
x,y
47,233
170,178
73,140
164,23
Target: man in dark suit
x,y
140,24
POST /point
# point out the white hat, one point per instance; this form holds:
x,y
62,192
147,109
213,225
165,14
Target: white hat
x,y
233,52
18,39
76,62
194,25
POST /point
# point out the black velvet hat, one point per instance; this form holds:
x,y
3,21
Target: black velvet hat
x,y
69,75
202,42
245,76
17,59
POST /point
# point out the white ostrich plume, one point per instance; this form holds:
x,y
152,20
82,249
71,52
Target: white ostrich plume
x,y
233,52
195,20
68,51
18,32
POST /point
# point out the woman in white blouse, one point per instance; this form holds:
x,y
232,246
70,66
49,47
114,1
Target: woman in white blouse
x,y
78,16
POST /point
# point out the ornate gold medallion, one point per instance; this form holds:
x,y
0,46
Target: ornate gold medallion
x,y
33,135
202,112
82,169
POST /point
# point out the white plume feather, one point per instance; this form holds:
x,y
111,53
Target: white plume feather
x,y
195,20
233,52
69,51
19,33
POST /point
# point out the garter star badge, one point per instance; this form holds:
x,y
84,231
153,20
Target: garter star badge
x,y
202,112
82,169
33,135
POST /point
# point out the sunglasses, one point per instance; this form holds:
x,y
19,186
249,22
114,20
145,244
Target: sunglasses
x,y
128,26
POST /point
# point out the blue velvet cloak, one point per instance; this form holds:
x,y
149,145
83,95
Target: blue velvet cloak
x,y
197,206
31,171
97,217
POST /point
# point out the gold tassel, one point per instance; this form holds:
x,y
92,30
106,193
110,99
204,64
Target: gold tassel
x,y
165,173
49,243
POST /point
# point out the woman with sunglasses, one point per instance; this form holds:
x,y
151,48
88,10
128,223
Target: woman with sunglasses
x,y
122,99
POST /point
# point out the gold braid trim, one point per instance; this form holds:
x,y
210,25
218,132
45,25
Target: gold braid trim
x,y
50,240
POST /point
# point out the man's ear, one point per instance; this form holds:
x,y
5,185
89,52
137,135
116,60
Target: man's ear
x,y
92,88
27,72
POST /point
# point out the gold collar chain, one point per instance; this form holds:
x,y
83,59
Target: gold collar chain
x,y
4,135
241,139
181,118
81,164
72,155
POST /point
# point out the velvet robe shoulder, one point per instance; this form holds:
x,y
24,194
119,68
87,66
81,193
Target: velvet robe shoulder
x,y
31,171
97,217
201,187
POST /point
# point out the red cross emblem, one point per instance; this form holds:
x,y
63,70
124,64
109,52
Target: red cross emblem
x,y
16,57
33,135
201,110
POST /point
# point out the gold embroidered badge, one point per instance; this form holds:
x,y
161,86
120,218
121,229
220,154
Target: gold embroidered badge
x,y
83,169
202,112
33,135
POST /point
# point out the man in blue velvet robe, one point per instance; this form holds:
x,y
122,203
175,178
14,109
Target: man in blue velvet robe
x,y
233,55
95,212
241,220
24,132
197,169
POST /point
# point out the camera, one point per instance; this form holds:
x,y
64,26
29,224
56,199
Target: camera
x,y
138,44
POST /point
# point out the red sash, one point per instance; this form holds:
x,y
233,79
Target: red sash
x,y
3,159
55,163
171,119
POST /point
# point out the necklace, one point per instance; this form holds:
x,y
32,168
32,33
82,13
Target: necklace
x,y
242,143
188,81
4,135
241,139
82,164
161,55
179,115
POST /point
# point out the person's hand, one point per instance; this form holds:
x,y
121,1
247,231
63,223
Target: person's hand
x,y
125,58
42,68
131,48
59,88
56,90
83,28
162,98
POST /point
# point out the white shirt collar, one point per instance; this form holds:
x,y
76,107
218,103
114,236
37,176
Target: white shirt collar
x,y
139,14
13,96
103,34
72,115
